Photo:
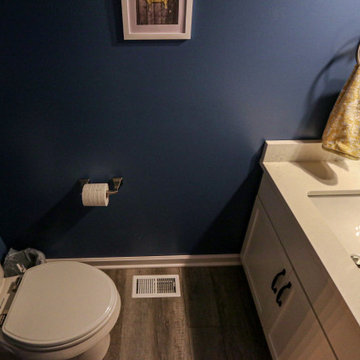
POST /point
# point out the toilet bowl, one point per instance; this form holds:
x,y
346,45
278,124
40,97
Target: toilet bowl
x,y
59,311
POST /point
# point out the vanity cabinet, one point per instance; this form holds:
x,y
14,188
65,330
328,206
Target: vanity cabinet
x,y
291,328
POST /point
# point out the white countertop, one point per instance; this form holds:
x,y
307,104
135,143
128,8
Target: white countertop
x,y
298,168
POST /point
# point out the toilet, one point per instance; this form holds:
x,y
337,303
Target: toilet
x,y
59,310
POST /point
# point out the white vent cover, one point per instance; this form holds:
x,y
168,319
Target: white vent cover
x,y
152,286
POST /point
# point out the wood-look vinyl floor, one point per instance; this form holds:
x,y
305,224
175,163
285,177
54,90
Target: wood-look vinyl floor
x,y
214,319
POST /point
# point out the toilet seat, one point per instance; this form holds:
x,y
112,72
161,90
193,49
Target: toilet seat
x,y
61,304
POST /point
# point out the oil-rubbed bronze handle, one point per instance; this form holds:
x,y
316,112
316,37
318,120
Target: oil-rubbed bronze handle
x,y
276,277
278,296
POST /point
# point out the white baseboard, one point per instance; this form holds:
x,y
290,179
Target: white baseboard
x,y
159,261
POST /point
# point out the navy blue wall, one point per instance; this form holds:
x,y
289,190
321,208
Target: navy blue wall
x,y
182,121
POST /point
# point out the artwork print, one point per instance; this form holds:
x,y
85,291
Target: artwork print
x,y
157,12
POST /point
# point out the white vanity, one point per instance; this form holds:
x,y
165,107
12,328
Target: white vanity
x,y
304,227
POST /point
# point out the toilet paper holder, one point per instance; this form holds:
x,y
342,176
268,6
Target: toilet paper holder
x,y
114,184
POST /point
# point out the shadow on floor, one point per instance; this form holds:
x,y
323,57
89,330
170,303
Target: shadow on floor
x,y
221,316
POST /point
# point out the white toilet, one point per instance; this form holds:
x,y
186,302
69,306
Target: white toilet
x,y
60,310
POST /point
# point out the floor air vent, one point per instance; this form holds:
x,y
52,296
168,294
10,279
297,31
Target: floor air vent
x,y
152,286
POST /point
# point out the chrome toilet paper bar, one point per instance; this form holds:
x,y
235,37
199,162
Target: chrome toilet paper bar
x,y
114,184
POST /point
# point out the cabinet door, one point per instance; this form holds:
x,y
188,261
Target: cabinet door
x,y
296,333
291,328
264,262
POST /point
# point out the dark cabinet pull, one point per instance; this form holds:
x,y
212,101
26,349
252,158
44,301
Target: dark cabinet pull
x,y
278,296
281,273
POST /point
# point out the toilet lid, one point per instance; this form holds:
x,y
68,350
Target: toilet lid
x,y
58,303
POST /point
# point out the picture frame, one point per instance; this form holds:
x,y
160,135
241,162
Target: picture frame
x,y
157,19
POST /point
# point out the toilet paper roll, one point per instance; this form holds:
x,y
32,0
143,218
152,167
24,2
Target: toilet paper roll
x,y
95,195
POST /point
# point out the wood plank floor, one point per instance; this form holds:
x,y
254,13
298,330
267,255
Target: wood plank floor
x,y
214,319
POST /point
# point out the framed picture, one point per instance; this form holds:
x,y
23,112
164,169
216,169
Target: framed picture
x,y
157,19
